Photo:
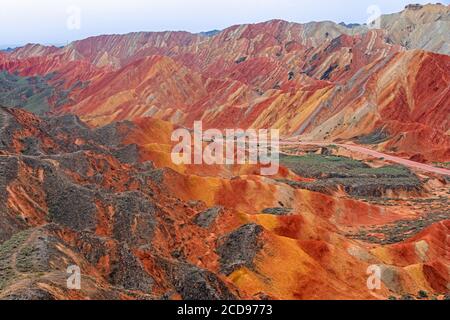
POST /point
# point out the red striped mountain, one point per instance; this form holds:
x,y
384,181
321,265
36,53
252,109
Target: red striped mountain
x,y
320,80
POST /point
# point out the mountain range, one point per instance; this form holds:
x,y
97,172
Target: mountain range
x,y
86,176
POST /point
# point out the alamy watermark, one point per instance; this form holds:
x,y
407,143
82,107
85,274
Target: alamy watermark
x,y
374,280
74,19
74,279
374,20
228,147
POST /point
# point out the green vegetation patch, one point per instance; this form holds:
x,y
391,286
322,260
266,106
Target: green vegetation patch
x,y
34,94
357,178
399,231
25,259
7,249
445,165
29,93
320,166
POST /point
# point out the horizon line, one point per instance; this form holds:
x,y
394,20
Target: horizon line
x,y
348,25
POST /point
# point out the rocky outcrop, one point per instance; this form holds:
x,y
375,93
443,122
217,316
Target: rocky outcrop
x,y
193,283
135,234
340,66
87,200
134,218
239,248
206,218
87,185
278,211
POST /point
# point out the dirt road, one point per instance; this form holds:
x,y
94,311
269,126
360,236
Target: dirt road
x,y
375,154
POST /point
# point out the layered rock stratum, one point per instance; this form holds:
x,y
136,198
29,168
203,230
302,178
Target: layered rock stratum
x,y
86,177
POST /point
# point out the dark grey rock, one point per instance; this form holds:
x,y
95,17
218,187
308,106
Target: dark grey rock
x,y
31,146
29,294
133,209
69,205
206,218
128,272
128,154
239,248
193,283
75,162
278,211
110,135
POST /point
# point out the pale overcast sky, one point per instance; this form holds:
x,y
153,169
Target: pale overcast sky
x,y
46,21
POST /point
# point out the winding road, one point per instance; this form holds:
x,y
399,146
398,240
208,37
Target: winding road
x,y
366,151
375,154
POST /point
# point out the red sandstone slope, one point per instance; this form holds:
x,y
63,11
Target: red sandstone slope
x,y
80,196
405,97
89,196
321,79
152,86
33,50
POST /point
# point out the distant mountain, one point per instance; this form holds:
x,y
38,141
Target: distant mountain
x,y
210,33
350,25
257,70
7,48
